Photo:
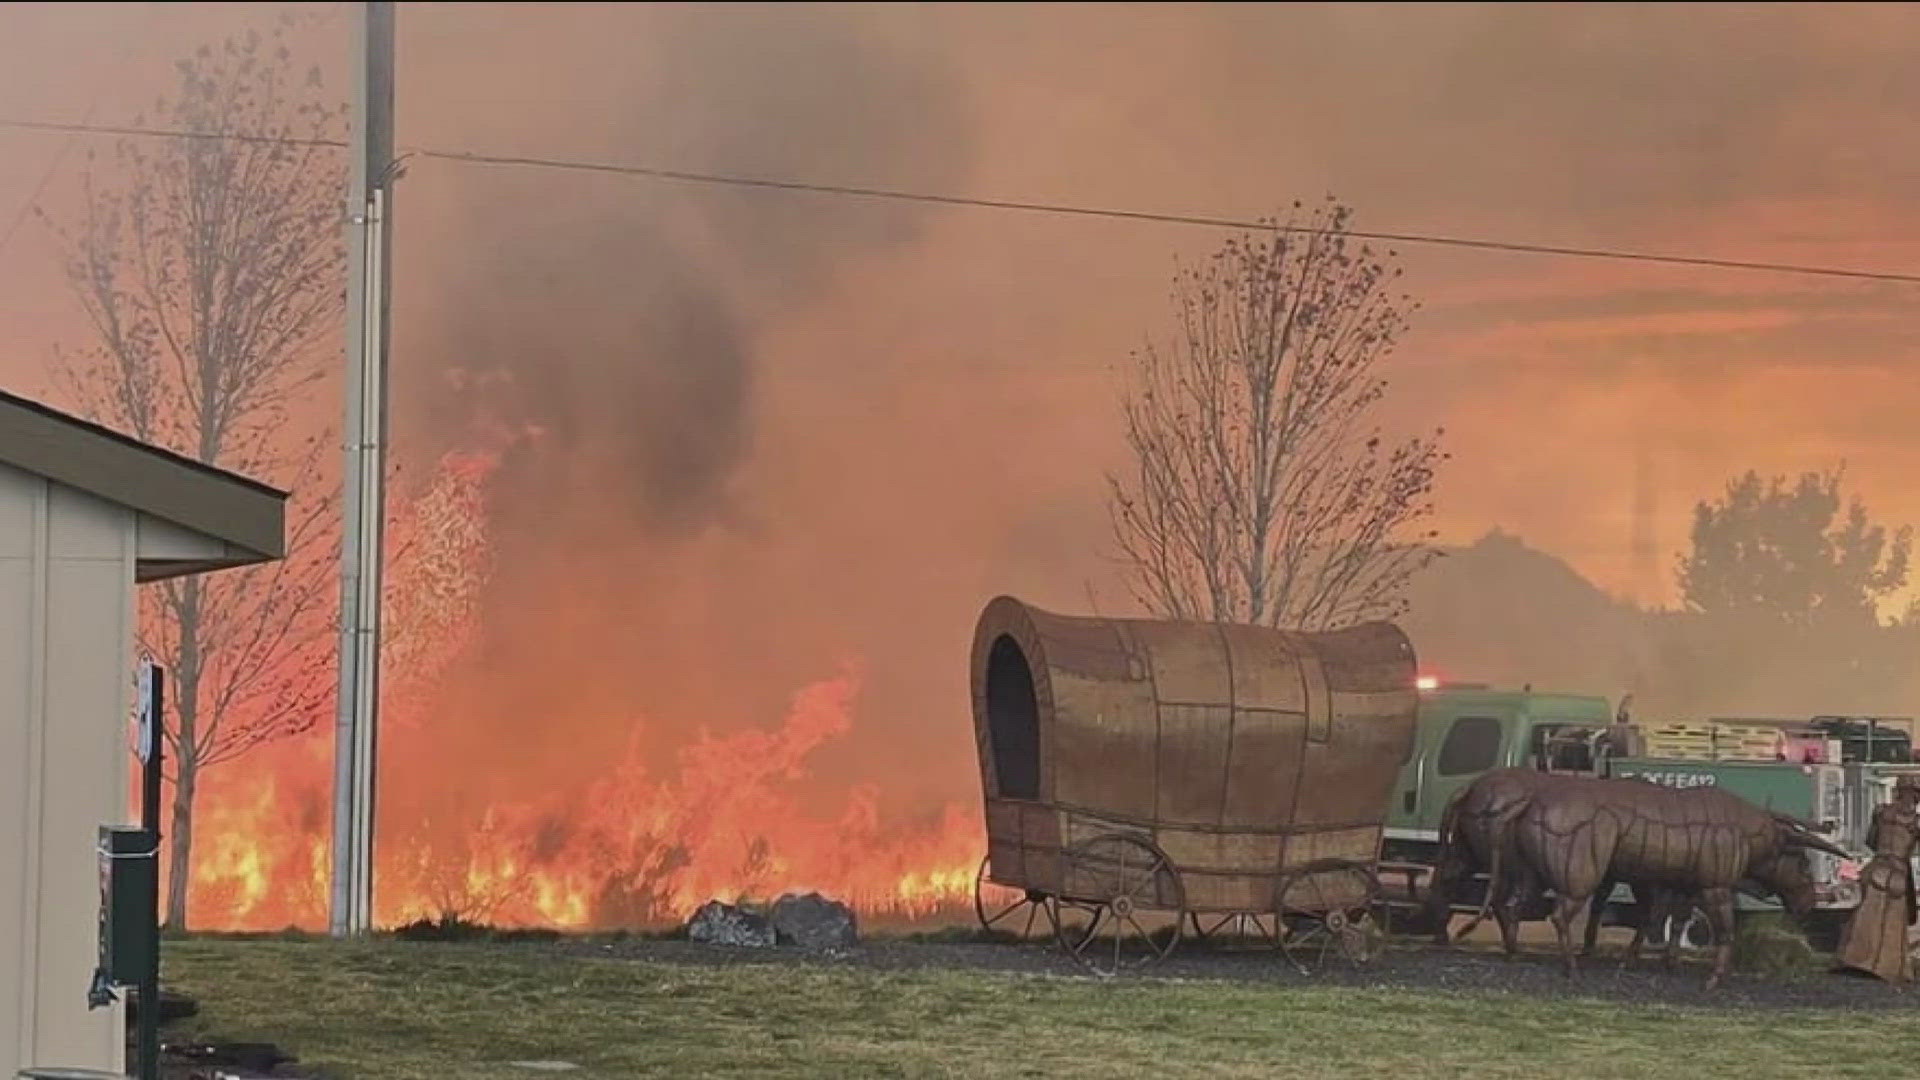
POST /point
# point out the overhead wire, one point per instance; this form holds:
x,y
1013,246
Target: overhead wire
x,y
1024,206
1168,218
60,156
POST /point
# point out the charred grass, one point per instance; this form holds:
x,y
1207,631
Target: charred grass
x,y
401,1010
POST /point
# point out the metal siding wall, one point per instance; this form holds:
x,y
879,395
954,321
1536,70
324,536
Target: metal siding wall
x,y
84,642
22,535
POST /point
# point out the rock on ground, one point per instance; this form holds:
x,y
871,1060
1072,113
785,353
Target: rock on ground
x,y
814,922
725,924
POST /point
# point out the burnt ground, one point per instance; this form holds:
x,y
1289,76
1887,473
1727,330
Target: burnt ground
x,y
1406,964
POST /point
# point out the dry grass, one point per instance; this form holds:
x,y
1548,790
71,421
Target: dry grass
x,y
404,1010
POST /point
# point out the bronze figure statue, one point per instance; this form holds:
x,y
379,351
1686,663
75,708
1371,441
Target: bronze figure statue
x,y
1578,834
1875,941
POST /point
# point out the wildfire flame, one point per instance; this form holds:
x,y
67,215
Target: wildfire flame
x,y
627,849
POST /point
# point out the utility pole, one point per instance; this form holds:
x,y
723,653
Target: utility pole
x,y
363,495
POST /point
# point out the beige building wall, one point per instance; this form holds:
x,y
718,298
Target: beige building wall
x,y
67,619
84,514
66,631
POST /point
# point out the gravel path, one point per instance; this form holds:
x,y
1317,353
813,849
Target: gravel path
x,y
1404,966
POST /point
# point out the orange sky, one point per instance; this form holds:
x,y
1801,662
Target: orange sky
x,y
916,407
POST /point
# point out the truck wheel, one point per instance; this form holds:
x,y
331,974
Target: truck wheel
x,y
1694,928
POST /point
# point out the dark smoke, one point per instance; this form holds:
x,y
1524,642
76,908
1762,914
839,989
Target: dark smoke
x,y
620,316
619,311
631,364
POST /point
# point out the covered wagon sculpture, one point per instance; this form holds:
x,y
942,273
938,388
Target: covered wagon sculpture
x,y
1144,775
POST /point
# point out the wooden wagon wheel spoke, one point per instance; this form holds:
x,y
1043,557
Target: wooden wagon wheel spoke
x,y
1026,928
1006,907
1317,901
1071,937
994,919
1143,890
1077,947
1299,945
1335,919
1076,944
1123,875
1327,942
1315,930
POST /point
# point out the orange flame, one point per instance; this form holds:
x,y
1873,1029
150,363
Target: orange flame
x,y
626,849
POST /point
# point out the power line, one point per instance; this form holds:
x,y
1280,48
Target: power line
x,y
1163,218
930,198
26,207
60,155
167,133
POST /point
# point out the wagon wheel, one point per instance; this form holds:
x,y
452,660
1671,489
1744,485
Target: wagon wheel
x,y
1326,907
1003,909
1244,929
1113,881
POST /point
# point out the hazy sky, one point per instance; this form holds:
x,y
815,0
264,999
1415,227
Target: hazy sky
x,y
792,428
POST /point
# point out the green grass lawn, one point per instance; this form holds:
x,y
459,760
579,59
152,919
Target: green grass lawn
x,y
397,1011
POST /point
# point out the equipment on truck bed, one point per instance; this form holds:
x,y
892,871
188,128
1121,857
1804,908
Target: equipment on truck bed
x,y
1822,740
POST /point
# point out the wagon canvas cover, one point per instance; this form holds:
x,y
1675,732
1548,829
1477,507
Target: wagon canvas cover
x,y
1244,753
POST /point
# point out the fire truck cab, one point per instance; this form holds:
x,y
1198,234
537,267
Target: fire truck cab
x,y
1464,730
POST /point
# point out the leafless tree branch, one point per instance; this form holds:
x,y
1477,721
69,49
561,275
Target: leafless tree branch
x,y
211,272
1259,492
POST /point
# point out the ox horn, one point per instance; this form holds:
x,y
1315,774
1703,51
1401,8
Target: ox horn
x,y
1819,843
1793,824
1800,834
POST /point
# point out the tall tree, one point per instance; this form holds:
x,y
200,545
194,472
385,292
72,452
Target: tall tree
x,y
1796,554
1260,491
211,267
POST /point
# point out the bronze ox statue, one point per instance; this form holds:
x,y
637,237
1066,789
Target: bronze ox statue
x,y
1576,835
1476,836
1471,832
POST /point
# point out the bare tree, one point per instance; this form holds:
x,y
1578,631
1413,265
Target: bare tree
x,y
1259,492
211,267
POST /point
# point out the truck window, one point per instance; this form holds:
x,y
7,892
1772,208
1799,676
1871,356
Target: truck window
x,y
1472,746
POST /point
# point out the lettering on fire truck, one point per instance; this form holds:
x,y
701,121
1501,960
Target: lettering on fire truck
x,y
1674,779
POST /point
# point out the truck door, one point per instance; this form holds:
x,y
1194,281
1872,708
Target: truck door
x,y
1403,811
1466,745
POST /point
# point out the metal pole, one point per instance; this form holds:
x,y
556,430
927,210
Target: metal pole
x,y
363,496
147,1038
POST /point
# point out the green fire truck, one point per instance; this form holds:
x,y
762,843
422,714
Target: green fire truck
x,y
1466,730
